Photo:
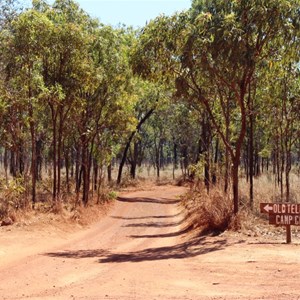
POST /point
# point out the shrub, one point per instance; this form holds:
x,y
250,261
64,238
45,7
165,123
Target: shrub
x,y
106,196
12,197
210,212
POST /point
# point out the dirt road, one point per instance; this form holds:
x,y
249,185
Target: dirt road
x,y
140,250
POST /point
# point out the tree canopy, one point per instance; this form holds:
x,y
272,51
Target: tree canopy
x,y
213,90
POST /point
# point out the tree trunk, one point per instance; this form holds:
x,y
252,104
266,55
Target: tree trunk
x,y
237,156
12,168
281,173
251,150
277,163
161,156
214,175
257,162
95,170
39,157
54,161
123,160
33,157
235,185
157,163
5,162
21,163
226,174
109,171
133,162
227,137
206,138
287,172
124,157
77,170
85,171
67,166
59,153
175,162
72,162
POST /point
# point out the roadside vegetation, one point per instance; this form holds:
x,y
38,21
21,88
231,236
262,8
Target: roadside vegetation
x,y
211,94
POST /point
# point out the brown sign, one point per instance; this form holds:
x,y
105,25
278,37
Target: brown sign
x,y
280,219
284,214
280,208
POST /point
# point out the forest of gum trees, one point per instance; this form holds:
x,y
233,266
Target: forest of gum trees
x,y
212,93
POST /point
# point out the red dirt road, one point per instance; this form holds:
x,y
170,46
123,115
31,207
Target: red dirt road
x,y
140,250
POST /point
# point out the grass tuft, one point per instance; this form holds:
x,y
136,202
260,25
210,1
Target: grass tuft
x,y
212,212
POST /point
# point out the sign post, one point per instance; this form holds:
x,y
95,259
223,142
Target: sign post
x,y
282,214
288,234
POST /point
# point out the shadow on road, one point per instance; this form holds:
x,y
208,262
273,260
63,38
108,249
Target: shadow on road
x,y
147,217
155,224
192,248
148,200
163,235
78,253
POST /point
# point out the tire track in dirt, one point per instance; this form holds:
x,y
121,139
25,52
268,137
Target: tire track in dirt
x,y
136,222
141,250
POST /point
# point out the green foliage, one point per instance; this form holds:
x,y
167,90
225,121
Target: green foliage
x,y
12,196
78,89
213,53
112,195
197,169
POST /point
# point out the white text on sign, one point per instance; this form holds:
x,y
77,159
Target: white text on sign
x,y
279,219
286,209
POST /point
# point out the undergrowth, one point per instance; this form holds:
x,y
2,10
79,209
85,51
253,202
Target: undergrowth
x,y
210,212
13,197
16,206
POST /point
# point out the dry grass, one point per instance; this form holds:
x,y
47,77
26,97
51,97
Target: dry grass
x,y
211,213
88,215
127,182
265,190
61,216
255,223
64,211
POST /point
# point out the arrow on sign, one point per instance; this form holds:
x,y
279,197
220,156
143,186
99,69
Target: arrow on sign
x,y
268,208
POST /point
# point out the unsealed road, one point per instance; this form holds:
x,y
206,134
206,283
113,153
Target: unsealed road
x,y
141,250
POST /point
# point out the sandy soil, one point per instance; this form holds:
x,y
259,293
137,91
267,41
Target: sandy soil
x,y
141,250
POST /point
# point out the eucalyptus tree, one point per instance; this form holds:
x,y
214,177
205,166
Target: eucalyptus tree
x,y
283,116
184,131
65,64
104,101
213,51
147,96
238,35
11,127
29,40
